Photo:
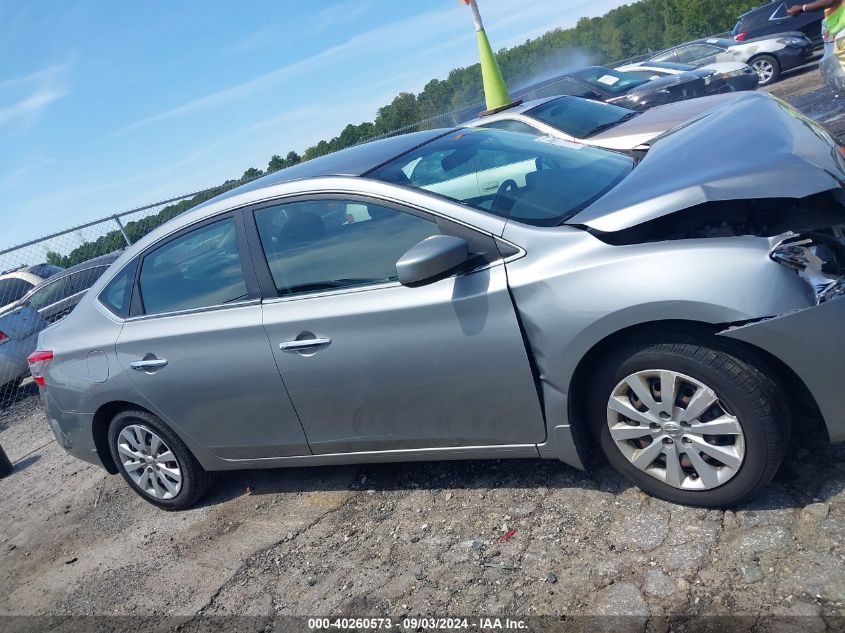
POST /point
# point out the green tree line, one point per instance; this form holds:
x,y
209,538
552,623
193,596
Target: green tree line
x,y
622,32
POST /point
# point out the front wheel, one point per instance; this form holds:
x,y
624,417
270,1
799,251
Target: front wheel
x,y
155,462
767,69
701,424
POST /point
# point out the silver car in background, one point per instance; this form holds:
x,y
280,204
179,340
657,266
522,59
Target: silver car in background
x,y
471,293
49,302
769,55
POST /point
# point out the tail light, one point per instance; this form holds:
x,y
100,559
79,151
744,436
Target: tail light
x,y
740,37
3,337
38,362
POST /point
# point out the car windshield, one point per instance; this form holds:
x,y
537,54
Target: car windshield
x,y
609,80
540,181
580,118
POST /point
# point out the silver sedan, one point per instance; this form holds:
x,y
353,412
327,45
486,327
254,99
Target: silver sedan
x,y
470,293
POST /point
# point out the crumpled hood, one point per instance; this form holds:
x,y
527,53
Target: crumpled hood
x,y
755,146
657,121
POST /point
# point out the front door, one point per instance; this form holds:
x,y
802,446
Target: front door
x,y
372,365
196,349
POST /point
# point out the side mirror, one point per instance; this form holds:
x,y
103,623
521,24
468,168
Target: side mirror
x,y
431,258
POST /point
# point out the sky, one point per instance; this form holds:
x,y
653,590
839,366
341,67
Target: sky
x,y
106,106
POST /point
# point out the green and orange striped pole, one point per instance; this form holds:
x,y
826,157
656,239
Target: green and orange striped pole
x,y
496,93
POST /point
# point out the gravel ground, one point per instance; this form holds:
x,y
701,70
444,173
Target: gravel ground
x,y
426,539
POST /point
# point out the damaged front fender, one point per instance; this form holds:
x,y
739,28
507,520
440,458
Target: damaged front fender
x,y
780,154
812,343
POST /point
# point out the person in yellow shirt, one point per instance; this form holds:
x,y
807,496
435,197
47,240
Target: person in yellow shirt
x,y
834,25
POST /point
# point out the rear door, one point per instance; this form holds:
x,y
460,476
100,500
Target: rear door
x,y
373,365
195,348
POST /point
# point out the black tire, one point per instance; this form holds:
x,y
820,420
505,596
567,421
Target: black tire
x,y
195,480
775,65
743,383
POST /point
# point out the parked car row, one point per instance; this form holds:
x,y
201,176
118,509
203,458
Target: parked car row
x,y
768,55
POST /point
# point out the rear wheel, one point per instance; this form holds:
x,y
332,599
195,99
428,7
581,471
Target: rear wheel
x,y
155,462
702,424
767,69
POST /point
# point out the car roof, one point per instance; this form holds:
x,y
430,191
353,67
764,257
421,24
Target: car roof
x,y
716,41
102,260
22,274
353,161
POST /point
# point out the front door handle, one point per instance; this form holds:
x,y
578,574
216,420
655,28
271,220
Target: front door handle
x,y
148,363
305,345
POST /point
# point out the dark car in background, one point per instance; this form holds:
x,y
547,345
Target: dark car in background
x,y
45,304
636,92
738,76
772,19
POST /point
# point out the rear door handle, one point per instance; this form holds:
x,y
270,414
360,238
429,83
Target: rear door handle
x,y
307,344
148,364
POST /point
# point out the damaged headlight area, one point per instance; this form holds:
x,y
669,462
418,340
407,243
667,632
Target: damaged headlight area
x,y
817,258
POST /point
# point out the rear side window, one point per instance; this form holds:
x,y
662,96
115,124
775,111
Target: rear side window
x,y
199,269
12,289
117,296
51,293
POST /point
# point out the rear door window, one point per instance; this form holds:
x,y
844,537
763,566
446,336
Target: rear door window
x,y
697,52
667,56
51,293
779,13
198,269
12,289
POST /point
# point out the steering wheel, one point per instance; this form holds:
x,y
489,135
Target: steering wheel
x,y
504,199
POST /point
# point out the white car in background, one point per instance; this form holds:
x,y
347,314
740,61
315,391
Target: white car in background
x,y
589,122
